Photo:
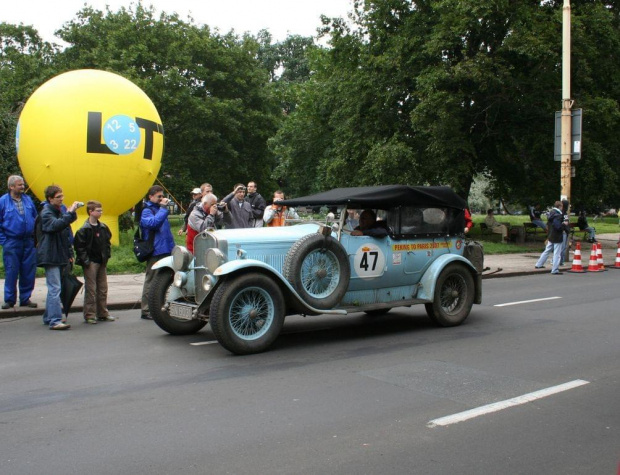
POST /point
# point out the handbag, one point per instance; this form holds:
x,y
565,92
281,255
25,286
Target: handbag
x,y
143,248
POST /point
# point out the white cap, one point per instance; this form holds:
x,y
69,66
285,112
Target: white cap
x,y
196,191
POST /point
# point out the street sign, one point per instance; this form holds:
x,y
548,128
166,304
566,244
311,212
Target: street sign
x,y
576,118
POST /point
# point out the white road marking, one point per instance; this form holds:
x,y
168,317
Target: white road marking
x,y
200,343
526,301
498,406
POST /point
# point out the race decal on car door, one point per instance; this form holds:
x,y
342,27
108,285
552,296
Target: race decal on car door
x,y
369,261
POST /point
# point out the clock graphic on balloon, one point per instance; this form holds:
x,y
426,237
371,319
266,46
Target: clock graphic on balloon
x,y
121,134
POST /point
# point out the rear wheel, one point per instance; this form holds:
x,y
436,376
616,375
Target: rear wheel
x,y
454,296
247,313
158,294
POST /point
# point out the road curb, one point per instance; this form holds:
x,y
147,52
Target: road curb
x,y
32,312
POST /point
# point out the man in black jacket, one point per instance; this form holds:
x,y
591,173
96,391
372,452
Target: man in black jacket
x,y
258,204
556,226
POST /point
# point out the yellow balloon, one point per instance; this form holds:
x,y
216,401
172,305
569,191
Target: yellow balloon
x,y
96,135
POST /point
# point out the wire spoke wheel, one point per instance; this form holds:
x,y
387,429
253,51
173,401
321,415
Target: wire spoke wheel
x,y
251,313
452,294
320,273
247,313
453,297
317,267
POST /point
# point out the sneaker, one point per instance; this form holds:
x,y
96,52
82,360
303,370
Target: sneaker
x,y
6,306
92,321
539,267
28,304
557,273
60,326
108,318
146,316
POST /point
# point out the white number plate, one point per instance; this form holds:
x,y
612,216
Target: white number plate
x,y
180,311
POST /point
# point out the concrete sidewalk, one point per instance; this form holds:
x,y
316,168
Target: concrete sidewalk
x,y
125,290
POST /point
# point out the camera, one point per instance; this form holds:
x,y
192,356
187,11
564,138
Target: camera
x,y
80,204
221,207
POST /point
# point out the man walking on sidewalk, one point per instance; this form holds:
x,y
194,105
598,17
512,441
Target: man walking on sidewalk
x,y
17,217
555,224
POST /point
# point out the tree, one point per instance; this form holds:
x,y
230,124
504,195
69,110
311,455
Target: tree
x,y
437,91
211,92
25,62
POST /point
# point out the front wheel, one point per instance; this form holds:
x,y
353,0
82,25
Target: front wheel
x,y
158,293
454,296
247,313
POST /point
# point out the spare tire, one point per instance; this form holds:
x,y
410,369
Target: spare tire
x,y
317,267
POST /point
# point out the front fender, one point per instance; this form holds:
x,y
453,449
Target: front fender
x,y
428,281
232,267
163,262
166,263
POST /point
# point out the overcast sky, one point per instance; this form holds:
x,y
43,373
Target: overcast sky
x,y
280,17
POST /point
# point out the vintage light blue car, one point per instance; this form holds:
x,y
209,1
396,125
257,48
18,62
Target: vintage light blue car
x,y
245,281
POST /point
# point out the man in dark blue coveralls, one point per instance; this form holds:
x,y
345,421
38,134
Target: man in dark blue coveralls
x,y
17,217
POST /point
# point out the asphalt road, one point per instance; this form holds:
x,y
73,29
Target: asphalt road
x,y
352,395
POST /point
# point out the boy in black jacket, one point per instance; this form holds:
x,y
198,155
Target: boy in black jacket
x,y
93,249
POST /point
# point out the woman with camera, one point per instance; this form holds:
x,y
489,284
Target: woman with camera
x,y
205,216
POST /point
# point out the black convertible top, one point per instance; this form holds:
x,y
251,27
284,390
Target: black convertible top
x,y
383,197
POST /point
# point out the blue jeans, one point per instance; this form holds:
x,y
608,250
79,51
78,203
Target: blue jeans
x,y
53,308
556,247
20,263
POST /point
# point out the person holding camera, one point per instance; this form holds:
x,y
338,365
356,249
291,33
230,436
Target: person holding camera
x,y
154,219
54,250
205,216
237,212
277,214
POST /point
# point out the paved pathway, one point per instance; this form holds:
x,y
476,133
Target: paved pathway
x,y
125,290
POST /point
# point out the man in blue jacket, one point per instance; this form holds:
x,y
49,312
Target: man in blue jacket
x,y
155,220
17,217
55,251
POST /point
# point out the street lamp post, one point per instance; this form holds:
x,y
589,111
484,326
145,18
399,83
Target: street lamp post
x,y
567,104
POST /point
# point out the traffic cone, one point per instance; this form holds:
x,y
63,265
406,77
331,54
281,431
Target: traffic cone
x,y
617,264
577,267
599,257
593,264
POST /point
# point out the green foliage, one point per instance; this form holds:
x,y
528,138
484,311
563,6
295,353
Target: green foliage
x,y
437,92
25,62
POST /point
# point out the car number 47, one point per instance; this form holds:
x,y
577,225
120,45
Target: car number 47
x,y
369,261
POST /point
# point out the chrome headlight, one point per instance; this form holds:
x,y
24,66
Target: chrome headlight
x,y
214,258
180,279
208,281
181,258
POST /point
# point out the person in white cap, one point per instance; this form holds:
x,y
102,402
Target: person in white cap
x,y
196,196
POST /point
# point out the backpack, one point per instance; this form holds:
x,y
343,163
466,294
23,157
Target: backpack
x,y
143,248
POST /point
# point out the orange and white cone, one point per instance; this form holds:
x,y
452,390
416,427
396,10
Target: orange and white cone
x,y
577,267
593,263
617,264
599,257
